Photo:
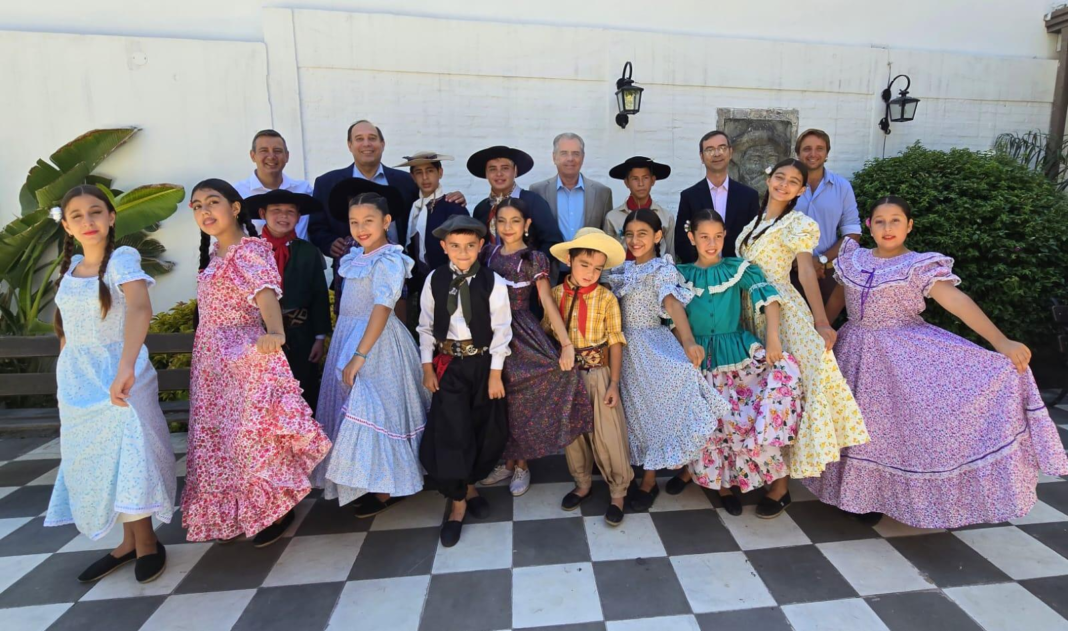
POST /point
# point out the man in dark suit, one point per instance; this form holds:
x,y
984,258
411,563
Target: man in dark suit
x,y
737,203
500,166
366,144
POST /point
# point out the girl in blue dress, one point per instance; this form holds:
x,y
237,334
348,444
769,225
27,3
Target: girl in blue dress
x,y
117,463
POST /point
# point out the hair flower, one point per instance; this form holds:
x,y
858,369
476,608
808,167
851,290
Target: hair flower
x,y
56,214
767,171
686,226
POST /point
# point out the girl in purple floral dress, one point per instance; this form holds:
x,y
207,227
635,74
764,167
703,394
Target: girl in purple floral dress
x,y
958,433
548,407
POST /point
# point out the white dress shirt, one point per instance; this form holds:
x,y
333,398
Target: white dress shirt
x,y
719,196
253,186
500,322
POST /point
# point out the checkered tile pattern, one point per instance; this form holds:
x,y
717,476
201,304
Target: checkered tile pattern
x,y
683,565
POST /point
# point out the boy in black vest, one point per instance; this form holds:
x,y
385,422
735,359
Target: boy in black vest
x,y
465,326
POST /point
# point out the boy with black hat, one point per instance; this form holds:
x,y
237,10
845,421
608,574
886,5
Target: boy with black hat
x,y
500,166
639,174
465,326
594,326
305,299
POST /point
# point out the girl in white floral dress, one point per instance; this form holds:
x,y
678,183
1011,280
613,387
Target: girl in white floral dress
x,y
773,241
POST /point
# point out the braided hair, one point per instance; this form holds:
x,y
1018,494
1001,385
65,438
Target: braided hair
x,y
782,164
67,252
648,217
231,195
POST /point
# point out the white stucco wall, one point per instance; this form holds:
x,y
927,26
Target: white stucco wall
x,y
456,85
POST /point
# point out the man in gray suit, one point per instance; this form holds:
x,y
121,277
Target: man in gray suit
x,y
576,201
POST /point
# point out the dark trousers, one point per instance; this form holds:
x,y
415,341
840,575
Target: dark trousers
x,y
827,285
466,431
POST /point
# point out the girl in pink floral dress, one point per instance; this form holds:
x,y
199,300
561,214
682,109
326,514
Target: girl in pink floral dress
x,y
252,439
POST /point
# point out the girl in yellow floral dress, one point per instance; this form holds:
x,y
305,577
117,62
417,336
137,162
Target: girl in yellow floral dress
x,y
773,241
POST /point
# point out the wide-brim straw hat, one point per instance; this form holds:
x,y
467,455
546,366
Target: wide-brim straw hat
x,y
591,239
423,157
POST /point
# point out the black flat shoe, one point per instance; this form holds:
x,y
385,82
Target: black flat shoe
x,y
151,566
106,565
373,506
573,500
770,509
869,519
450,533
479,507
731,504
676,485
613,516
272,533
642,501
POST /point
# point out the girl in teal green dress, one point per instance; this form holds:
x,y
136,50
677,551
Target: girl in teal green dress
x,y
762,385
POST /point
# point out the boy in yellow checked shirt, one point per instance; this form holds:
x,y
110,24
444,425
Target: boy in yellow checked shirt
x,y
594,325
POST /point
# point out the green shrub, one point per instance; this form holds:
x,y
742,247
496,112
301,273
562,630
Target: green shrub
x,y
178,319
1005,226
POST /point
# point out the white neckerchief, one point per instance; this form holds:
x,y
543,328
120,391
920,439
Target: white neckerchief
x,y
417,221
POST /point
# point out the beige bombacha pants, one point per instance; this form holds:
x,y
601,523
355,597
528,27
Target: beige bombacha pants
x,y
606,444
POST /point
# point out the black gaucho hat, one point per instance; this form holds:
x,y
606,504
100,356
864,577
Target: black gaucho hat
x,y
621,171
306,204
460,222
345,190
476,164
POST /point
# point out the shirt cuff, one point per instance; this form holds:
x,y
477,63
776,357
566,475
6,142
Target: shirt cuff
x,y
850,229
427,356
320,337
497,361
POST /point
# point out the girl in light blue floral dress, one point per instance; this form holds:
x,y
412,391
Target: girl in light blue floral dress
x,y
671,409
117,462
373,403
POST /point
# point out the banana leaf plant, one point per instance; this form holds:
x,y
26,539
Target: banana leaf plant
x,y
29,245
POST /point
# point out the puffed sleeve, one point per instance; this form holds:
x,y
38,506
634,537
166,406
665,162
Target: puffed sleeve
x,y
802,234
669,282
124,266
932,268
539,265
761,292
387,279
844,258
256,269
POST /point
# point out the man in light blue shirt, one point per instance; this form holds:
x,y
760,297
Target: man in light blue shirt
x,y
828,199
570,206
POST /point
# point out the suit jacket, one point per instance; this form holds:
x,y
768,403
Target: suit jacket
x,y
597,199
431,245
323,229
743,205
544,229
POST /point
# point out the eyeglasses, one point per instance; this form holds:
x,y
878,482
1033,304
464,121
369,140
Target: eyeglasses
x,y
715,151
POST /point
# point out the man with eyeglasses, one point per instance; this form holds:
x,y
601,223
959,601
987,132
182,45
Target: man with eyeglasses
x,y
737,203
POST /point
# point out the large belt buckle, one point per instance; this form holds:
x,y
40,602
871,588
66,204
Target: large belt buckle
x,y
470,350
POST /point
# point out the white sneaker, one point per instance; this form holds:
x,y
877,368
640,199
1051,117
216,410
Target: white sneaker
x,y
520,483
499,474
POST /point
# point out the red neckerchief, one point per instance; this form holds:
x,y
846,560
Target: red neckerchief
x,y
579,296
632,206
280,247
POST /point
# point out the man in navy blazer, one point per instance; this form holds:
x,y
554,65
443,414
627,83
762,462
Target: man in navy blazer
x,y
366,144
737,203
500,166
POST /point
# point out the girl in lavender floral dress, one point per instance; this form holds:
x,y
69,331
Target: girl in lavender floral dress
x,y
958,433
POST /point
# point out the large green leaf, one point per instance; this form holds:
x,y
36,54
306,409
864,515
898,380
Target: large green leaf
x,y
14,245
151,252
51,195
146,205
91,148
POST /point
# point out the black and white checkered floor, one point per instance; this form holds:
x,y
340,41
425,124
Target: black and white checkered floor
x,y
683,565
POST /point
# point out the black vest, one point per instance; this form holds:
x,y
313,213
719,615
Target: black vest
x,y
481,288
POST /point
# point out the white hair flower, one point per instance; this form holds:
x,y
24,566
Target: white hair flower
x,y
686,226
56,214
767,171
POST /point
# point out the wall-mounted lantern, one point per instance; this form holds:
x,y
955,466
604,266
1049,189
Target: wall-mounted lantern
x,y
628,96
900,109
